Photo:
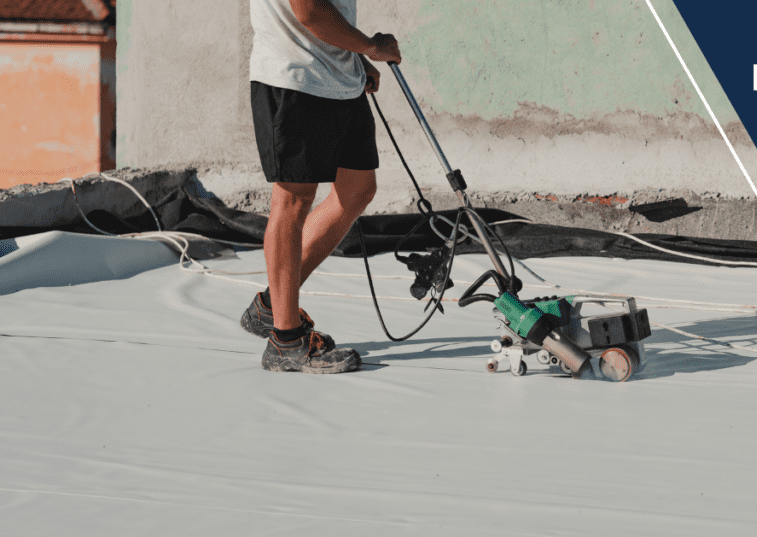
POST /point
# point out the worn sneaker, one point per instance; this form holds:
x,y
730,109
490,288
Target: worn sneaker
x,y
258,319
309,354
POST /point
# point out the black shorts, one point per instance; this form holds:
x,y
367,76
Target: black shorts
x,y
304,139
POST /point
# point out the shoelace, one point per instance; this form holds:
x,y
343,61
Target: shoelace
x,y
316,343
306,318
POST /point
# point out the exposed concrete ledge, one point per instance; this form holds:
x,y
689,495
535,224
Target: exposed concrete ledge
x,y
51,205
664,212
673,212
242,187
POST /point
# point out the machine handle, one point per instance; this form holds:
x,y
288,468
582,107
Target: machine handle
x,y
454,177
421,119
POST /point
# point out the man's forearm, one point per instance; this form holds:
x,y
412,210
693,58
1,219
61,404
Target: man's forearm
x,y
327,24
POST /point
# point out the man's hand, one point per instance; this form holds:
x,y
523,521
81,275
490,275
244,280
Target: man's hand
x,y
384,48
373,75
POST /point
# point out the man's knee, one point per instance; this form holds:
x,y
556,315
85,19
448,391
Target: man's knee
x,y
356,188
363,196
294,199
369,191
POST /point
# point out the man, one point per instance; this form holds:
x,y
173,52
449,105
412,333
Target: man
x,y
313,124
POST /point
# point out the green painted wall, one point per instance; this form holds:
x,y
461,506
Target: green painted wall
x,y
579,57
559,96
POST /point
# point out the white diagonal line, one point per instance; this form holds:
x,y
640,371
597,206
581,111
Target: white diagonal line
x,y
701,96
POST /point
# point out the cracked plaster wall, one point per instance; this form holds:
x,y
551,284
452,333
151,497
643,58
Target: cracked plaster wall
x,y
556,97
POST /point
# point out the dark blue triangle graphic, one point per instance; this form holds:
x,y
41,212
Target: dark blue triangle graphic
x,y
726,32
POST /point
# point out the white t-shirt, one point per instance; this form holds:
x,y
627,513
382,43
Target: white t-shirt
x,y
285,54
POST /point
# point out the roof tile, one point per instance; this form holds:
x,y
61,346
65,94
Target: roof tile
x,y
67,10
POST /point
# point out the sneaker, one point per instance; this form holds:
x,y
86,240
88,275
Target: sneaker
x,y
309,354
258,319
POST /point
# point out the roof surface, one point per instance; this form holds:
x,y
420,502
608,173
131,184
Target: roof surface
x,y
133,403
58,10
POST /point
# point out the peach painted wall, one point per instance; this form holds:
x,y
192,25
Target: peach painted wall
x,y
50,107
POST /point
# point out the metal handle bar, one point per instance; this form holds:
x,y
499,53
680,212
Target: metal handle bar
x,y
421,119
464,201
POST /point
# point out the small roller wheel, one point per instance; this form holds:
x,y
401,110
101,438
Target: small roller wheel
x,y
565,368
492,365
499,344
542,357
521,370
618,363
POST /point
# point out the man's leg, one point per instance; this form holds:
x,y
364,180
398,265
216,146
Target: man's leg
x,y
293,345
330,221
290,204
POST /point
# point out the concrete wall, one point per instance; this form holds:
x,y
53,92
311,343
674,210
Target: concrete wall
x,y
568,98
182,86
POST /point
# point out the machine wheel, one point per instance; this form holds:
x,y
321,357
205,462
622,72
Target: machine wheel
x,y
521,370
618,363
492,365
565,368
499,344
542,357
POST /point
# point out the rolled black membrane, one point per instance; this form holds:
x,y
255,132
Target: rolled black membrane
x,y
182,211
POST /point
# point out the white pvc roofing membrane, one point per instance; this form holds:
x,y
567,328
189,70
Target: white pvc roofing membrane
x,y
133,403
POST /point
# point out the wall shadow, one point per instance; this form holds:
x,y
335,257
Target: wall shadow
x,y
669,353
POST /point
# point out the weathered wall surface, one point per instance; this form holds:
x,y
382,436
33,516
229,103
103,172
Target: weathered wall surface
x,y
182,86
561,98
57,92
49,112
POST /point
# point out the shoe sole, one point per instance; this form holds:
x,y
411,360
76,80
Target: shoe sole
x,y
351,363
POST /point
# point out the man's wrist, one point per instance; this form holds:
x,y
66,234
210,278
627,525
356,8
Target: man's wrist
x,y
368,48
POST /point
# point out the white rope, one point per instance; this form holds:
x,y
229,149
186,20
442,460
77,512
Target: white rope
x,y
701,96
690,256
179,240
130,187
645,243
461,229
76,200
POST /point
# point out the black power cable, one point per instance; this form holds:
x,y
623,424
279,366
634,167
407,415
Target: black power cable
x,y
425,208
437,301
422,201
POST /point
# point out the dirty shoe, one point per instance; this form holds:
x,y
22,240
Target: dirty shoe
x,y
258,319
309,354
